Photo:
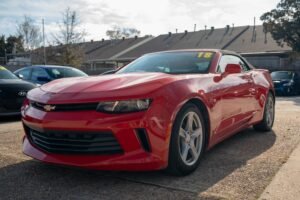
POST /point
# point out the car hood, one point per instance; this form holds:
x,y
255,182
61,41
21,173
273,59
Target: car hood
x,y
282,81
89,89
16,83
107,83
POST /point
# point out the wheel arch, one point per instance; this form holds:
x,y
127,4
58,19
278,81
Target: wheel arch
x,y
204,111
273,94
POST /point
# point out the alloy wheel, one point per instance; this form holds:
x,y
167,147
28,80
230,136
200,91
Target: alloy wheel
x,y
190,138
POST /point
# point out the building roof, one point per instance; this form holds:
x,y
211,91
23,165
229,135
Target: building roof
x,y
109,48
211,38
243,39
255,40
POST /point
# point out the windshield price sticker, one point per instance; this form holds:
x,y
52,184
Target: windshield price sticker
x,y
200,54
206,55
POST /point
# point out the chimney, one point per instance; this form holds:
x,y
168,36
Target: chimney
x,y
102,40
232,28
123,38
185,32
227,29
195,26
170,34
211,30
92,41
135,37
176,31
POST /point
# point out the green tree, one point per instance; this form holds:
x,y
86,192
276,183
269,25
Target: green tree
x,y
2,46
284,23
14,44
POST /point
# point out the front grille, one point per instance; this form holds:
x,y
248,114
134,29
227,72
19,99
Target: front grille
x,y
11,104
65,107
11,100
69,142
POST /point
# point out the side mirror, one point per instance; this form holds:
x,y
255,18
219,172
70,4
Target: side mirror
x,y
20,76
233,69
43,79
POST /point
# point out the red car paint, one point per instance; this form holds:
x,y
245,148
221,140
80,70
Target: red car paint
x,y
232,102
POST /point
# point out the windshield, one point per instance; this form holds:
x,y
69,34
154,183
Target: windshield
x,y
5,74
282,75
171,63
65,72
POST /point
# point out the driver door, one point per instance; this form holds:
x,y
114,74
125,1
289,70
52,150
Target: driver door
x,y
236,97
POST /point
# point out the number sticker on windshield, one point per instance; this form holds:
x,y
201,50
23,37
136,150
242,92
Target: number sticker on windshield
x,y
2,68
200,54
208,55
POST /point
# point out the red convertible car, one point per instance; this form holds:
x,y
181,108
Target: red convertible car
x,y
162,111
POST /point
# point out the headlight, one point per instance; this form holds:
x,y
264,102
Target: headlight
x,y
289,83
25,106
124,106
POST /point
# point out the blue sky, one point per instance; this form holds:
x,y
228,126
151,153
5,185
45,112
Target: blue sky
x,y
150,17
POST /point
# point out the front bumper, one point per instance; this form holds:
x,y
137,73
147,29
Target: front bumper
x,y
284,90
123,126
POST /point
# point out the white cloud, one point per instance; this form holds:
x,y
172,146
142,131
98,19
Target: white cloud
x,y
151,17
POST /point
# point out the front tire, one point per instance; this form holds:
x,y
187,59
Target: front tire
x,y
269,113
187,141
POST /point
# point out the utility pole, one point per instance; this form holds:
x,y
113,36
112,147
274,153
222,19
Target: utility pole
x,y
44,48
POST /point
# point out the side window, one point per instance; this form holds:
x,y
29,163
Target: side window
x,y
24,74
38,72
244,66
230,59
225,59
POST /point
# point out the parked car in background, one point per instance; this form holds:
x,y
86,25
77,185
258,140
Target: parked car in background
x,y
12,92
41,74
286,82
161,111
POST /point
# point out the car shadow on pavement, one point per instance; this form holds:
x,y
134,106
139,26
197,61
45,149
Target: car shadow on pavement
x,y
32,179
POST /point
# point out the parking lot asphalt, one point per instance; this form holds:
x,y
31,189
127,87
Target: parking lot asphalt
x,y
238,168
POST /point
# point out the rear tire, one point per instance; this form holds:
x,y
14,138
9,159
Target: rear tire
x,y
187,141
269,114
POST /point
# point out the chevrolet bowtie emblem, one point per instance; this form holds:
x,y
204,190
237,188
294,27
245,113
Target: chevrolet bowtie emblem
x,y
49,108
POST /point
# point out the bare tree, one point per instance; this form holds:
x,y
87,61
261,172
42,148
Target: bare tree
x,y
30,33
119,32
69,34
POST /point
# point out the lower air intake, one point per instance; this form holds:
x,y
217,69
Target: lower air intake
x,y
69,142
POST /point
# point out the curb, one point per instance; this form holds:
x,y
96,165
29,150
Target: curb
x,y
286,183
